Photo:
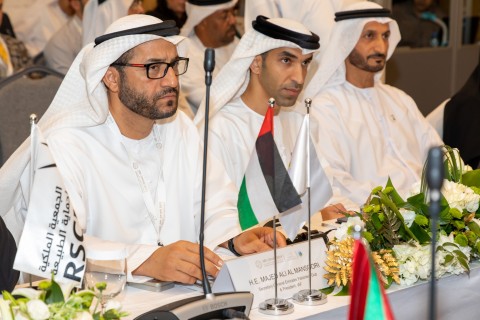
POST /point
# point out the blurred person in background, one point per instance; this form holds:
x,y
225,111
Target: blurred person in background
x,y
13,54
5,24
99,14
170,10
40,22
420,22
461,120
210,24
66,43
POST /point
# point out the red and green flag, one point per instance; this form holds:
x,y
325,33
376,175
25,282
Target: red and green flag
x,y
266,189
368,298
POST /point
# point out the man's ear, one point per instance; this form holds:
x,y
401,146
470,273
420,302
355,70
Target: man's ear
x,y
111,79
256,65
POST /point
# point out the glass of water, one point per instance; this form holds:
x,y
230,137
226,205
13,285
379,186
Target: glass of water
x,y
106,271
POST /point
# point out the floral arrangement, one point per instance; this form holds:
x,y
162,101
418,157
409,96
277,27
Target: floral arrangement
x,y
401,228
57,301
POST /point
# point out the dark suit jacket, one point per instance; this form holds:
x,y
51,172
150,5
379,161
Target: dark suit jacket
x,y
8,249
6,26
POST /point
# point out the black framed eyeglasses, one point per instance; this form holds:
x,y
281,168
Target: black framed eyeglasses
x,y
158,70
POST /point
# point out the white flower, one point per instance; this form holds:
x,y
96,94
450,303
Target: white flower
x,y
38,310
408,216
414,190
414,261
29,293
84,315
460,196
5,310
113,304
67,288
342,231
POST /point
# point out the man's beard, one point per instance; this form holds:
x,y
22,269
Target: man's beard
x,y
142,105
356,59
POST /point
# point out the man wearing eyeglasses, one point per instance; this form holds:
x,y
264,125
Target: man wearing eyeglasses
x,y
131,164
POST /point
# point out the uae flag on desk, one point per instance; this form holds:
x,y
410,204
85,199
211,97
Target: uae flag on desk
x,y
266,188
368,298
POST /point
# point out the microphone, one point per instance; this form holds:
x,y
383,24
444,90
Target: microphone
x,y
435,173
227,305
208,66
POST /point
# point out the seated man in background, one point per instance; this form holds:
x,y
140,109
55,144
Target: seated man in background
x,y
66,43
99,14
13,54
5,24
271,60
8,249
367,130
210,24
414,18
170,10
461,120
40,22
131,164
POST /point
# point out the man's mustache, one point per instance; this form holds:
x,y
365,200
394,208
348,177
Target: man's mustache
x,y
377,55
165,92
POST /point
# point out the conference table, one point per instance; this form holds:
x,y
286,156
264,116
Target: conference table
x,y
458,298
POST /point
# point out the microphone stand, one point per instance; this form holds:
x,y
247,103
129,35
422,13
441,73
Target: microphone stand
x,y
275,306
309,297
227,305
435,173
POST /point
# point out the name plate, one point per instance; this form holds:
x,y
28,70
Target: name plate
x,y
255,273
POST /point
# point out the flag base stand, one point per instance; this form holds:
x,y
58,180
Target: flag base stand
x,y
310,297
275,307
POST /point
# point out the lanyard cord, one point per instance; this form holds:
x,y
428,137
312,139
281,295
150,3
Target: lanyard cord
x,y
156,210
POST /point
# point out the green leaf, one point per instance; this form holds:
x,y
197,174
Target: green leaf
x,y
420,233
461,239
387,190
376,221
450,244
389,203
460,254
421,220
458,224
327,290
477,246
344,292
448,258
368,236
471,236
471,178
394,194
456,213
464,263
376,189
474,227
54,294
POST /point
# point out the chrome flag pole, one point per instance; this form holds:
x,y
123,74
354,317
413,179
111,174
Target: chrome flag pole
x,y
309,297
275,306
33,152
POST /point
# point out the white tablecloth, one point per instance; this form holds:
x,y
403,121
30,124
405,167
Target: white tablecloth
x,y
458,298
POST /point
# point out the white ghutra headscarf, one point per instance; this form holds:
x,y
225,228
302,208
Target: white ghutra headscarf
x,y
197,10
81,100
233,79
343,39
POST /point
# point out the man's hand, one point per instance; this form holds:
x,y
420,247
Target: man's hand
x,y
333,212
257,240
179,261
